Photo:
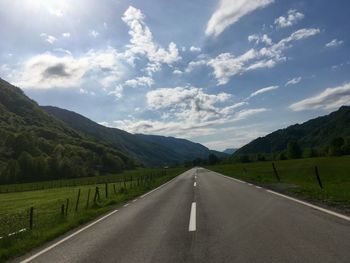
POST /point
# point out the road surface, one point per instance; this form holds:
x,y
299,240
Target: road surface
x,y
202,216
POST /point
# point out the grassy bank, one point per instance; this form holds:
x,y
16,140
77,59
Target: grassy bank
x,y
50,221
298,178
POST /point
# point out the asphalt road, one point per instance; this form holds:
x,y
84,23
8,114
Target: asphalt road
x,y
201,216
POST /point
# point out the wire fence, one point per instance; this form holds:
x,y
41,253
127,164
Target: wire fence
x,y
74,204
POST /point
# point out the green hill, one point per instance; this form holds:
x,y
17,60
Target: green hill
x,y
36,146
151,150
317,133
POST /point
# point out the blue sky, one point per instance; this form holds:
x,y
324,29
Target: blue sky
x,y
218,72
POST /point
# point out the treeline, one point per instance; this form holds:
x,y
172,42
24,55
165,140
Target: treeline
x,y
339,146
30,158
211,160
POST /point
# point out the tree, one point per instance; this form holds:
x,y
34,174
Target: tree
x,y
213,159
335,148
293,150
25,161
11,173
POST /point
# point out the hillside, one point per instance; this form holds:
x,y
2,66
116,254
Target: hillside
x,y
36,146
151,150
316,133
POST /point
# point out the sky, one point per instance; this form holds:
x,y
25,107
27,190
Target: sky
x,y
217,72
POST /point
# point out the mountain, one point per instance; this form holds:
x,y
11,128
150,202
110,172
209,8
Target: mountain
x,y
229,151
34,145
315,133
151,150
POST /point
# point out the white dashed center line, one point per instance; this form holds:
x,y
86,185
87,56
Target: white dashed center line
x,y
192,225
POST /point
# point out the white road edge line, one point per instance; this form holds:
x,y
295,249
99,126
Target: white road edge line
x,y
259,187
142,196
192,224
347,218
68,237
311,205
125,205
194,184
134,200
84,228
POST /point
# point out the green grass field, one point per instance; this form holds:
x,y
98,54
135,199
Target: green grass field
x,y
48,222
298,178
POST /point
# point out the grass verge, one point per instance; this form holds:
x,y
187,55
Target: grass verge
x,y
298,178
48,221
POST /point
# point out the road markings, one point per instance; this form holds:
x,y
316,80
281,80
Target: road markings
x,y
86,227
194,184
195,177
311,205
250,184
347,218
142,196
231,178
125,205
68,237
134,200
192,225
258,187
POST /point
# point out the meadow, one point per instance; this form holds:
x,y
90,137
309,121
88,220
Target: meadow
x,y
62,205
298,178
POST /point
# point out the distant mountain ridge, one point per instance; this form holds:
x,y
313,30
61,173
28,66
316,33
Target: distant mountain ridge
x,y
315,133
151,150
229,150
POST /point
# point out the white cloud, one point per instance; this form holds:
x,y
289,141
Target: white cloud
x,y
293,81
84,91
66,35
48,38
194,64
291,19
142,43
265,39
263,90
187,112
47,70
55,12
140,81
243,114
227,65
177,72
94,33
229,12
64,51
329,99
335,43
239,136
117,92
186,127
195,49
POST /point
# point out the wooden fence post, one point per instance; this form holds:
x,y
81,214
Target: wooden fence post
x,y
106,189
31,214
318,178
275,172
77,204
115,192
97,195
